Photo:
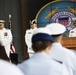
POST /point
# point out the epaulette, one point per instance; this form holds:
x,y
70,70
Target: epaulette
x,y
58,61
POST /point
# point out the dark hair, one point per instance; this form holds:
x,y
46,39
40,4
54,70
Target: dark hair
x,y
3,54
40,45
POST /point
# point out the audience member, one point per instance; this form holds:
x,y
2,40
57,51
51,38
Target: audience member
x,y
7,68
58,52
28,36
40,63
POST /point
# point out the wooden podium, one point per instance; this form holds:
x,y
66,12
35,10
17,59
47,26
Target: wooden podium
x,y
69,42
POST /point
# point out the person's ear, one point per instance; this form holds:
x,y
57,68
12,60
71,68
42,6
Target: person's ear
x,y
50,46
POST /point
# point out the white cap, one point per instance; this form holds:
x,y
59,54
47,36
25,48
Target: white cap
x,y
56,28
33,22
41,34
2,21
42,30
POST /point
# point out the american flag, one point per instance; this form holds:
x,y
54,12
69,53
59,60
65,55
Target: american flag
x,y
12,48
63,20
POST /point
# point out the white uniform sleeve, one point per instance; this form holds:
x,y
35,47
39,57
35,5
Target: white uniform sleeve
x,y
28,38
6,38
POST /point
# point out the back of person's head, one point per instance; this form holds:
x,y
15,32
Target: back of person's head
x,y
56,30
3,54
41,39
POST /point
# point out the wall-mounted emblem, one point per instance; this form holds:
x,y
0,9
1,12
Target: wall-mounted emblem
x,y
57,11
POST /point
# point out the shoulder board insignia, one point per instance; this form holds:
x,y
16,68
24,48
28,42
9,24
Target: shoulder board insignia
x,y
58,61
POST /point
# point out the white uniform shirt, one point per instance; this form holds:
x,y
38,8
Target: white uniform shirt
x,y
7,68
6,39
28,37
64,55
72,33
41,64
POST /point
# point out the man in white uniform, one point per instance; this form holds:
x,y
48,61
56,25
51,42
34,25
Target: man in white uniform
x,y
41,63
58,52
5,37
72,32
28,36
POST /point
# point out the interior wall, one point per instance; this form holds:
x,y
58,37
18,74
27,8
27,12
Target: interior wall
x,y
34,6
13,7
22,11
